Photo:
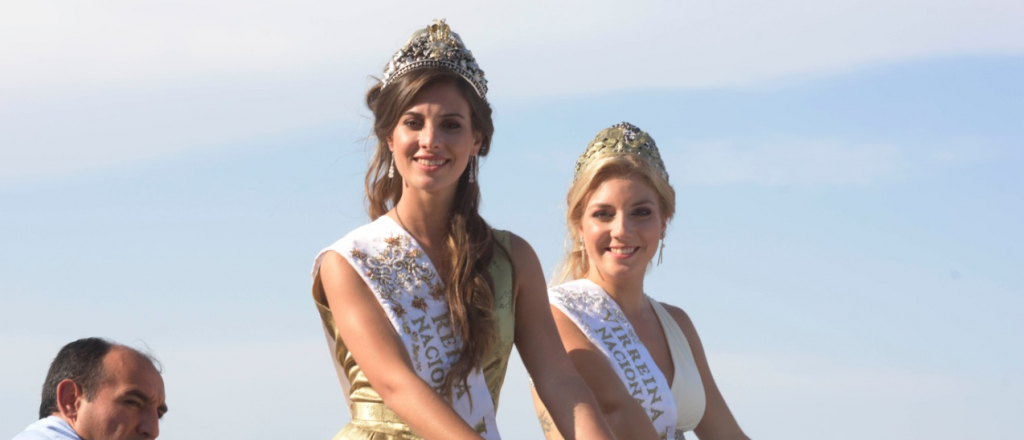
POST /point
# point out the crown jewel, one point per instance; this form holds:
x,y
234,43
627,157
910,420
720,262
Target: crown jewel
x,y
623,138
436,46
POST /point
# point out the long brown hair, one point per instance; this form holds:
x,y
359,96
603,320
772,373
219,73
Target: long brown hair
x,y
469,244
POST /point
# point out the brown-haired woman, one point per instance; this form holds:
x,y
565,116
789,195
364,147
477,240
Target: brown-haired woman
x,y
641,358
422,305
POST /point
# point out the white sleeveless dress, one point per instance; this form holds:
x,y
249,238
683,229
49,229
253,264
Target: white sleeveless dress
x,y
673,408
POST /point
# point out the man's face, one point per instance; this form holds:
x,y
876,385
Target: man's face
x,y
127,405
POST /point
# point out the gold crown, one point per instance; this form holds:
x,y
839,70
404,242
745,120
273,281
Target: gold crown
x,y
621,139
436,46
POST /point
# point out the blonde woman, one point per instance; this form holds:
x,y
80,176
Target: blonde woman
x,y
641,358
422,306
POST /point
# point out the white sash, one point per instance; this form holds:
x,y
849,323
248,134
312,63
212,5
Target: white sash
x,y
405,283
599,318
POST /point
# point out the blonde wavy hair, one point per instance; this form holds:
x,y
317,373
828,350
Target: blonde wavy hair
x,y
573,266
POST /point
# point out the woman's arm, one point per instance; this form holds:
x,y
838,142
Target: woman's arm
x,y
569,402
382,356
625,416
622,412
718,422
546,425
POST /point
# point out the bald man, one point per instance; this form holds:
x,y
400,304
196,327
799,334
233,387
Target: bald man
x,y
98,390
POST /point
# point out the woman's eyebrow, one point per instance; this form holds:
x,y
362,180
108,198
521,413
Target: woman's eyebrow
x,y
609,205
446,115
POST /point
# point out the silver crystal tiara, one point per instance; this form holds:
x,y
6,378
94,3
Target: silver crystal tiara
x,y
436,46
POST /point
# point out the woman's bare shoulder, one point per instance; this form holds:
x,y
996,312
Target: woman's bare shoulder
x,y
681,318
522,252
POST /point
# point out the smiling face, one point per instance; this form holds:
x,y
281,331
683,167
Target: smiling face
x,y
129,403
621,227
434,139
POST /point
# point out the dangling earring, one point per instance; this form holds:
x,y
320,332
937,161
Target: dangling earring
x,y
583,256
391,170
661,252
472,169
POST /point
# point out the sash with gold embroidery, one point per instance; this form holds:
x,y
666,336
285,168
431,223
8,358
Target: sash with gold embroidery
x,y
408,288
599,317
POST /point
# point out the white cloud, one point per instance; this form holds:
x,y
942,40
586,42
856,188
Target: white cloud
x,y
90,130
797,162
816,162
99,84
570,47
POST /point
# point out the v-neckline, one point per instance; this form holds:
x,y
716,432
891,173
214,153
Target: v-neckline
x,y
661,326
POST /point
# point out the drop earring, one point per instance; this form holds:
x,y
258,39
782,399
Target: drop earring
x,y
472,169
583,257
661,251
391,169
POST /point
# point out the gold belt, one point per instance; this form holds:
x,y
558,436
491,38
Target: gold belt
x,y
376,417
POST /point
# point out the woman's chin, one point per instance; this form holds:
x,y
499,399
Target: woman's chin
x,y
622,270
430,184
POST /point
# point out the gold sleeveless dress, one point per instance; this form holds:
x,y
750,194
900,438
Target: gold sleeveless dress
x,y
371,419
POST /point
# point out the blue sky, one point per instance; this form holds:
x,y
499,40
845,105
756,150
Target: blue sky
x,y
847,242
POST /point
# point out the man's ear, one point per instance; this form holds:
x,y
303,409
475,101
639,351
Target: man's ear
x,y
69,396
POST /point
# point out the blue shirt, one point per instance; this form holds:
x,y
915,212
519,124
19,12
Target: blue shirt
x,y
50,428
